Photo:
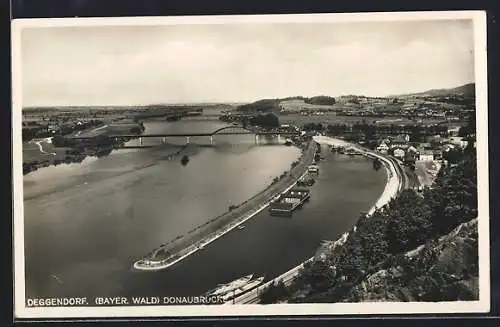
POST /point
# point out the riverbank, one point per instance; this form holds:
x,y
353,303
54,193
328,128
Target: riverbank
x,y
47,154
392,188
47,140
199,237
40,153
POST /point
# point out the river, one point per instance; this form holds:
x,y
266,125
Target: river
x,y
85,224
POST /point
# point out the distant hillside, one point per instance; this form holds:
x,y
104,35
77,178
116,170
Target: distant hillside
x,y
468,90
321,100
264,105
275,105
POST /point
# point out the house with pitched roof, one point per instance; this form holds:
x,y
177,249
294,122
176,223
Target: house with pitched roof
x,y
383,148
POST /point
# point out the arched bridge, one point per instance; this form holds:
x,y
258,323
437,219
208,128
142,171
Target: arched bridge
x,y
234,130
226,130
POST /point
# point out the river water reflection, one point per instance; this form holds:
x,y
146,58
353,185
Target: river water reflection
x,y
86,223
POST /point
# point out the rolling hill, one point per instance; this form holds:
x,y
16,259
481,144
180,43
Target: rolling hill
x,y
468,90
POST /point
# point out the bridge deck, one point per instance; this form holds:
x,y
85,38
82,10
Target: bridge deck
x,y
187,134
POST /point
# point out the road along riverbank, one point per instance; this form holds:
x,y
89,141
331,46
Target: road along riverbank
x,y
196,239
393,187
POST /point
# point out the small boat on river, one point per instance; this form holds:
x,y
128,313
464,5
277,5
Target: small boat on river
x,y
243,289
223,289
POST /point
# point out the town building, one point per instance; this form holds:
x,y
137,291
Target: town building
x,y
426,155
458,141
383,148
453,131
412,149
437,154
399,153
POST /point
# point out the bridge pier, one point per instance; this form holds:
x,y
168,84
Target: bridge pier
x,y
256,138
187,139
139,141
164,140
211,140
279,138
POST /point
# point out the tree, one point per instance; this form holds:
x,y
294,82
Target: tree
x,y
268,120
313,127
409,222
59,141
454,196
377,164
244,122
453,155
274,292
416,133
136,130
470,128
265,105
321,100
319,275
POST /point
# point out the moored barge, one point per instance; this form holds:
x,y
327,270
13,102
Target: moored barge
x,y
289,202
306,181
313,169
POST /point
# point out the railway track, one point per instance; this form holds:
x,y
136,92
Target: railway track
x,y
406,182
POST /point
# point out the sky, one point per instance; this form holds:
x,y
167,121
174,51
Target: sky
x,y
140,65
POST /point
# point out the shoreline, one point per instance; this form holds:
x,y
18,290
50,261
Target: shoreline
x,y
305,160
391,190
40,146
58,157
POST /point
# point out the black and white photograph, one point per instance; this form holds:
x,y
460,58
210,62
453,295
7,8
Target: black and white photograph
x,y
305,164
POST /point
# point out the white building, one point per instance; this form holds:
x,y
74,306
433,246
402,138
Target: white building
x,y
399,153
458,141
426,156
454,130
382,148
412,149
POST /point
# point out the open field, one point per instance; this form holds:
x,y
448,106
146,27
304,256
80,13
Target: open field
x,y
32,152
331,118
298,105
